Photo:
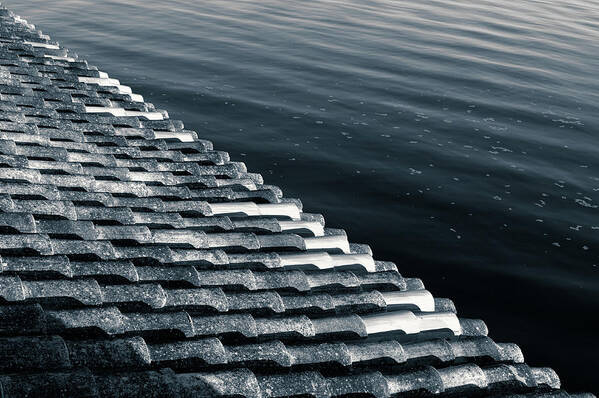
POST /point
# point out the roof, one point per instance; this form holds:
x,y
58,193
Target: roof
x,y
137,261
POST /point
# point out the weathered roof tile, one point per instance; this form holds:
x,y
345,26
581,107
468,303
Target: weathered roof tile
x,y
105,270
189,353
198,299
108,320
82,291
65,384
33,353
128,353
179,323
149,294
294,384
241,324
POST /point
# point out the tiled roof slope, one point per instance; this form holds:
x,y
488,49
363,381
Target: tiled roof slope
x,y
137,261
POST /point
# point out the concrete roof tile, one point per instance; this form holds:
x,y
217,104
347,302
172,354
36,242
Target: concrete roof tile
x,y
128,353
183,354
33,353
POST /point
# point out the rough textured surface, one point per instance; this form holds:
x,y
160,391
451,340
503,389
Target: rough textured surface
x,y
137,261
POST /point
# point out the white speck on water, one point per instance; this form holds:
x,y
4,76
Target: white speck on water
x,y
496,149
584,203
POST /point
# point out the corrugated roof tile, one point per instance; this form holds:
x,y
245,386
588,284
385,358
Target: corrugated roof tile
x,y
149,294
108,320
219,325
294,384
65,384
147,323
47,265
197,300
82,291
272,352
105,270
189,353
127,353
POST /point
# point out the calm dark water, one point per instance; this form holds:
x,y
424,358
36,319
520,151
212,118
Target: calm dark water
x,y
460,139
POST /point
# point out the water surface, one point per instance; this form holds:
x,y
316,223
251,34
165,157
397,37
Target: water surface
x,y
459,139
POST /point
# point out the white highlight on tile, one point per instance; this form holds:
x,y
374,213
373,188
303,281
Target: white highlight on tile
x,y
328,242
410,323
253,209
323,260
316,228
42,45
60,58
422,299
124,112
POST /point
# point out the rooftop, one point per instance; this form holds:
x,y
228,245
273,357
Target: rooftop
x,y
137,261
